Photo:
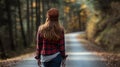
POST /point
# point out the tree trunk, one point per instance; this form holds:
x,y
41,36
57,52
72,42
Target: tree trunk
x,y
28,23
15,28
37,14
43,10
49,4
79,18
21,24
2,50
8,10
32,21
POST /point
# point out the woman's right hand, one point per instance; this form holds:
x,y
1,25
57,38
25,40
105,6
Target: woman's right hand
x,y
63,63
64,60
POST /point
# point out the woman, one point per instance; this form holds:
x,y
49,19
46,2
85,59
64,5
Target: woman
x,y
50,41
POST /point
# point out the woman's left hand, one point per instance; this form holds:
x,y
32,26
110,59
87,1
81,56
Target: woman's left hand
x,y
39,62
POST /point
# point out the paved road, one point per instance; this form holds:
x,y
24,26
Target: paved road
x,y
78,55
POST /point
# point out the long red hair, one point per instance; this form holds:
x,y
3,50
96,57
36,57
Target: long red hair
x,y
52,29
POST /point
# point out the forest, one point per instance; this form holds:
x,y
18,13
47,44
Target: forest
x,y
20,19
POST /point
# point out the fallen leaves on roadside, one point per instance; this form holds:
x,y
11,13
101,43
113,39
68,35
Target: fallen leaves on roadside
x,y
11,61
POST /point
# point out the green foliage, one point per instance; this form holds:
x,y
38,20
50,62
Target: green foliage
x,y
105,31
110,38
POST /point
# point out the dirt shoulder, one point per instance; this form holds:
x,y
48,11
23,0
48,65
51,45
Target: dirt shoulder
x,y
11,61
112,59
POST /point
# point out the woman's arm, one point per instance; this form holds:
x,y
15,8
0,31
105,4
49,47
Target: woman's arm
x,y
62,46
39,45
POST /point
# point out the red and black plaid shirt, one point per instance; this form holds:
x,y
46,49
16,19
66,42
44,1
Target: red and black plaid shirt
x,y
47,47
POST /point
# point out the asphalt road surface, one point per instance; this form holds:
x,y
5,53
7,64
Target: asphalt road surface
x,y
78,56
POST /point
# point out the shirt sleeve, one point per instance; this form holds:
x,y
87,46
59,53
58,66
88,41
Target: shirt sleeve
x,y
62,46
39,40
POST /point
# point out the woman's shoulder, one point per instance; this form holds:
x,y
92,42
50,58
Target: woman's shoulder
x,y
40,27
62,28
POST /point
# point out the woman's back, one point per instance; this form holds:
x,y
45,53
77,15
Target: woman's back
x,y
50,41
49,47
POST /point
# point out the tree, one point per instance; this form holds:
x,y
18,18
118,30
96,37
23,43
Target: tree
x,y
37,14
21,24
28,22
8,10
32,20
43,10
2,50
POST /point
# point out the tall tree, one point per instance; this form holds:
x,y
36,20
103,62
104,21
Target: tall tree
x,y
28,22
15,27
37,14
2,50
9,20
49,3
32,20
79,19
21,24
43,10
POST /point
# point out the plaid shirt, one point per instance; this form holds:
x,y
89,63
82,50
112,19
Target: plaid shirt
x,y
47,47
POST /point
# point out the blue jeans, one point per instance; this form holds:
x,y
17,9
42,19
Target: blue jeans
x,y
56,62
